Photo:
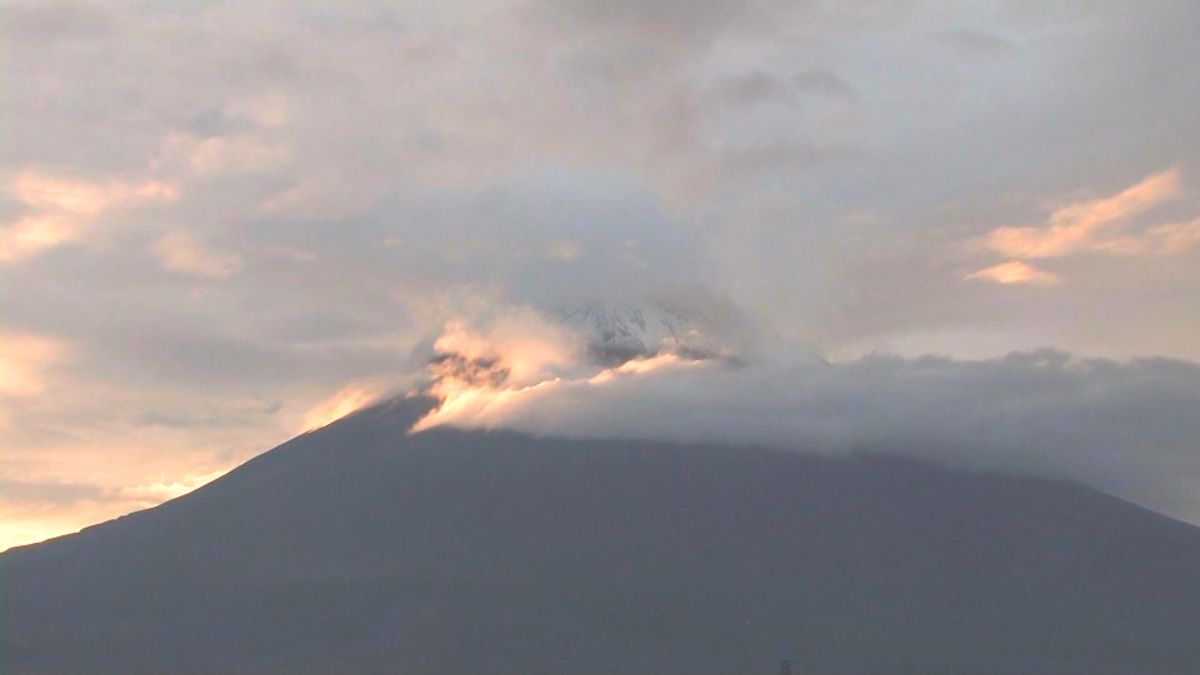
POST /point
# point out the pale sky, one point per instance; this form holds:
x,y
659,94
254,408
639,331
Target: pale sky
x,y
224,222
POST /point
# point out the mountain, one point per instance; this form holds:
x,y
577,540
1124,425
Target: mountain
x,y
618,332
358,548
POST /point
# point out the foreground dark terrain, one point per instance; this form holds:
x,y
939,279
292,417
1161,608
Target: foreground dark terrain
x,y
357,548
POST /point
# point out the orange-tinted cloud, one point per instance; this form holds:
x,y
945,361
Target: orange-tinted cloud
x,y
78,453
345,401
1097,226
83,198
235,155
179,251
1087,225
481,374
486,404
63,207
23,360
1015,272
1166,239
32,234
40,507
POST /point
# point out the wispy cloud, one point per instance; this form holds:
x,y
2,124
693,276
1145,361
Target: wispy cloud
x,y
32,234
63,207
1166,239
976,43
23,360
1088,225
564,249
83,198
345,401
237,154
1015,272
179,251
824,83
1106,225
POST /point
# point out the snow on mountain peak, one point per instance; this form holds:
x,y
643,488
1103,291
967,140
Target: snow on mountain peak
x,y
616,333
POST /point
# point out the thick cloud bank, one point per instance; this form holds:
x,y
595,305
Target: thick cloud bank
x,y
1130,428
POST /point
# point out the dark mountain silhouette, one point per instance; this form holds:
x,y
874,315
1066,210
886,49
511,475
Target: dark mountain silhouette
x,y
357,548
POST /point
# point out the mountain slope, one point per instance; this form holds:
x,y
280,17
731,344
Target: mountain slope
x,y
357,548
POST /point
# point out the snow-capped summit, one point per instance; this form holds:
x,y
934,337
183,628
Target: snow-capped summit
x,y
622,331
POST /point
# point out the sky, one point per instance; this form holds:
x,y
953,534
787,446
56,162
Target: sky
x,y
968,228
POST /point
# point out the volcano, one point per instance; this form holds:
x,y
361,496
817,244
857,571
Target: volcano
x,y
362,548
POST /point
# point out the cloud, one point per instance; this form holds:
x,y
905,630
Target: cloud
x,y
1174,238
78,452
693,22
237,154
481,365
516,347
34,510
31,512
63,207
752,88
33,234
23,362
163,489
1123,427
761,87
222,414
1165,239
1104,226
1015,272
179,251
345,401
1088,225
474,402
824,83
564,249
783,154
976,43
49,22
84,198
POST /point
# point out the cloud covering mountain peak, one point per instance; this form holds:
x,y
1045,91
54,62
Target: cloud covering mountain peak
x,y
658,371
